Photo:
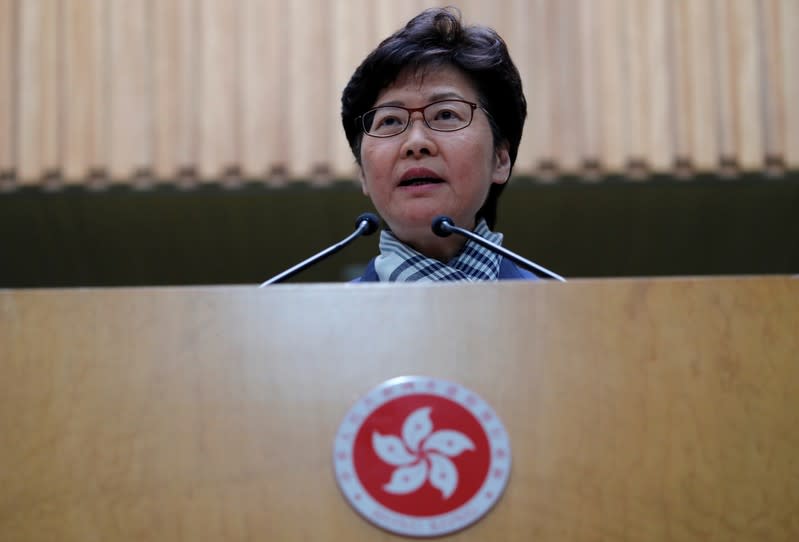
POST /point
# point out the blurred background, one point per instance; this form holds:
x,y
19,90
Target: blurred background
x,y
171,142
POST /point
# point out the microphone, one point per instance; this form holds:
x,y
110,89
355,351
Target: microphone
x,y
365,224
444,227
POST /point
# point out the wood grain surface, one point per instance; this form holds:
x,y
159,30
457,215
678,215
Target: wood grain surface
x,y
637,409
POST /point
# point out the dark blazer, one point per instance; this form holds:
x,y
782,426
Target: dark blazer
x,y
507,271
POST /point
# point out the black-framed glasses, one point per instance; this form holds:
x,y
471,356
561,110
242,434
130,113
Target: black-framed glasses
x,y
441,116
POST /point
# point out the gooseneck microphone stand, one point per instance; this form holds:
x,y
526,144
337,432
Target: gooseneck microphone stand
x,y
365,224
443,226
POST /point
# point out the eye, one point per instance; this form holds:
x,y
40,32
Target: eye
x,y
386,121
448,113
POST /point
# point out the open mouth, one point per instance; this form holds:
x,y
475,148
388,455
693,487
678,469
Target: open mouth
x,y
421,181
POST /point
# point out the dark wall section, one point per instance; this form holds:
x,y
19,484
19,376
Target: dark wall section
x,y
218,236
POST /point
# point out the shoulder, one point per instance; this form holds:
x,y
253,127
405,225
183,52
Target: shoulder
x,y
369,274
510,271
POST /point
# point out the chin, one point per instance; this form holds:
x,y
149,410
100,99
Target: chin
x,y
421,215
417,223
412,230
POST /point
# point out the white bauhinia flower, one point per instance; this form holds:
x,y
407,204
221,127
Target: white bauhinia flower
x,y
391,450
421,455
407,479
443,475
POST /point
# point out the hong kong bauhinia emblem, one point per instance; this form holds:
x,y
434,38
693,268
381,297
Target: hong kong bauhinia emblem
x,y
422,457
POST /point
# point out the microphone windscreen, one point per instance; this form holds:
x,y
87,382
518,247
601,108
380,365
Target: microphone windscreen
x,y
442,226
372,223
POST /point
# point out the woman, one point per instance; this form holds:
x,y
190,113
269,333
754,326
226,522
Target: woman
x,y
434,116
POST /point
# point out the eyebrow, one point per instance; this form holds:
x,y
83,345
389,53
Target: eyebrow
x,y
433,98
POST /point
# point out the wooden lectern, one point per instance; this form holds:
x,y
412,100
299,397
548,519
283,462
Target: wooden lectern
x,y
638,410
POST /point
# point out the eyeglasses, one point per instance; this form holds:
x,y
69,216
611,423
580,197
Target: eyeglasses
x,y
441,116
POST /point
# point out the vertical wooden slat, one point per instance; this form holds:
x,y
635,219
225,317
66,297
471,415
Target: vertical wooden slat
x,y
99,152
167,97
588,36
659,141
566,89
482,13
637,102
360,34
38,125
681,81
343,64
219,88
726,90
188,87
614,110
704,140
52,103
309,104
539,139
747,79
8,30
84,90
789,18
264,89
385,18
350,46
177,88
770,32
130,90
388,17
28,60
519,41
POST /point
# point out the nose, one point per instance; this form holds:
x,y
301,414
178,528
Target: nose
x,y
419,140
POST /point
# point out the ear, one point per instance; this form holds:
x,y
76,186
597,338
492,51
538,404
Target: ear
x,y
502,165
362,179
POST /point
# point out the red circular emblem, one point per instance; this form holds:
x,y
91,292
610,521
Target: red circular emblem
x,y
422,457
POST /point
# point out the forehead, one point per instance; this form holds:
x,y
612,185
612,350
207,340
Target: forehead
x,y
429,83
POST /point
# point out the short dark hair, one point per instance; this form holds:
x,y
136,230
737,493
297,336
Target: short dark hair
x,y
433,38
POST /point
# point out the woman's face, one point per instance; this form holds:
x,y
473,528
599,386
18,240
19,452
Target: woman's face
x,y
464,163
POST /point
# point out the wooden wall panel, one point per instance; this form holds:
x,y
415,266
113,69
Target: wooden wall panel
x,y
188,110
85,106
789,66
167,94
589,132
130,89
726,120
770,33
747,78
659,139
219,99
347,51
38,116
264,71
635,47
539,141
680,66
207,90
613,104
703,146
519,40
389,16
566,88
312,101
8,73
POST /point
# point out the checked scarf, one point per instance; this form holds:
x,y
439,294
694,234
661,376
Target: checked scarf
x,y
398,262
